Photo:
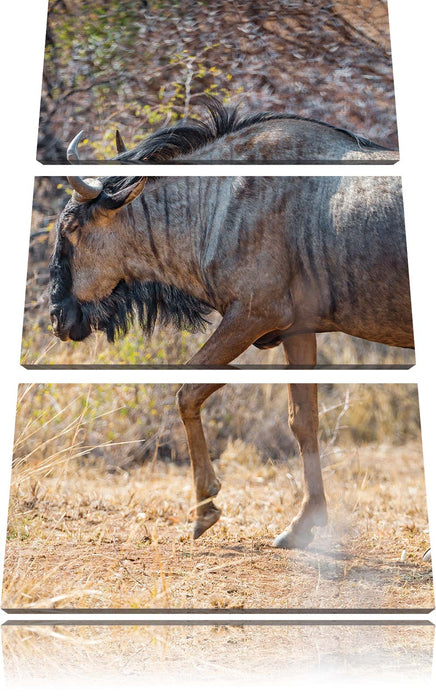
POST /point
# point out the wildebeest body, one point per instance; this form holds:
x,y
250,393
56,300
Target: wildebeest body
x,y
313,254
292,141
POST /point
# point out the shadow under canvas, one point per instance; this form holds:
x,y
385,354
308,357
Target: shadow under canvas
x,y
371,653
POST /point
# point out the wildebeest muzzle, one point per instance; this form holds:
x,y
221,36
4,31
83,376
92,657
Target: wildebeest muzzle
x,y
68,322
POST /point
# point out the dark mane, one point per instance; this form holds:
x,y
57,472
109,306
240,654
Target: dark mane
x,y
189,135
146,303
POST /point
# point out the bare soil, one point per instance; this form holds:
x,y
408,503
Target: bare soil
x,y
86,539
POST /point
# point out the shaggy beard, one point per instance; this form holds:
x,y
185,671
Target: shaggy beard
x,y
146,302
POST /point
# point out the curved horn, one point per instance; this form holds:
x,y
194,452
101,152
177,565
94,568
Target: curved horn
x,y
121,146
72,152
86,189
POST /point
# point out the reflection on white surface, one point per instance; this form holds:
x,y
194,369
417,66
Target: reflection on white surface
x,y
196,653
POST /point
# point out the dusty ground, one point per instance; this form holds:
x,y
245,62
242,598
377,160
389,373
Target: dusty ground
x,y
203,653
88,539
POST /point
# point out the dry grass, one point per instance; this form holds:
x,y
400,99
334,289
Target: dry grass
x,y
82,535
88,422
266,654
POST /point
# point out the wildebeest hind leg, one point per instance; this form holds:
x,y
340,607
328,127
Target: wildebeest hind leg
x,y
303,420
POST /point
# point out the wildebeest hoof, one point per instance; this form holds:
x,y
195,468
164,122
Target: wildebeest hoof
x,y
206,520
293,540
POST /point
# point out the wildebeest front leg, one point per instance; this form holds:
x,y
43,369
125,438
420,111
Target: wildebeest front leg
x,y
231,338
190,399
303,420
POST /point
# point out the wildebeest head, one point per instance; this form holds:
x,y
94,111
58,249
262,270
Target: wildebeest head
x,y
90,285
85,267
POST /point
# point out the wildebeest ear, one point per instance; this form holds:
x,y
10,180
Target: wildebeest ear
x,y
126,195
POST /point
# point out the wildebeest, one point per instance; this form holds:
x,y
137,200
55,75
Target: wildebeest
x,y
280,258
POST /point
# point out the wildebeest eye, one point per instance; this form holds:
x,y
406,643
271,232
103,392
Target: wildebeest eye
x,y
70,229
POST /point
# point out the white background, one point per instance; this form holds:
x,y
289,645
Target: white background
x,y
413,45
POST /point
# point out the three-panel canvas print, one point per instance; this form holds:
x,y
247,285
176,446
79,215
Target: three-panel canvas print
x,y
264,497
